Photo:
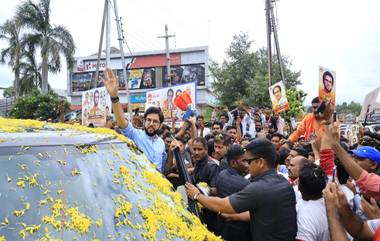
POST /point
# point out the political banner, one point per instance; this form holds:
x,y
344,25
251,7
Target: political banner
x,y
165,99
96,107
327,85
369,103
277,94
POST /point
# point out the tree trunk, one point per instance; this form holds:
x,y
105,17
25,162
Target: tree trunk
x,y
44,77
16,67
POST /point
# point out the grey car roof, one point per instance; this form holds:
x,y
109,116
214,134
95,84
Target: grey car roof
x,y
53,137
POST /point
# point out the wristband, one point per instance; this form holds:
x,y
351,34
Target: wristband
x,y
196,196
115,99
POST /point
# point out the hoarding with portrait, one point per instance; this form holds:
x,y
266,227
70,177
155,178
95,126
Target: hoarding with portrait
x,y
96,107
185,74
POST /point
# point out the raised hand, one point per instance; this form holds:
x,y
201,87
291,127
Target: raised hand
x,y
331,136
370,208
111,83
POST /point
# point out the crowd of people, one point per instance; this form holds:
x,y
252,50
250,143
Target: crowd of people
x,y
258,180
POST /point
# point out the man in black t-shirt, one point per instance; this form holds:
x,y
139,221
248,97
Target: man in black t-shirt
x,y
269,198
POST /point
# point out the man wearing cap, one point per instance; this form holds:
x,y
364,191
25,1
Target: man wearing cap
x,y
368,158
230,181
269,198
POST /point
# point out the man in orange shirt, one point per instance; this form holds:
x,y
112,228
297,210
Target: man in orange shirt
x,y
311,126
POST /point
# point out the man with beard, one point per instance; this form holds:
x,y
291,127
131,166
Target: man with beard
x,y
147,140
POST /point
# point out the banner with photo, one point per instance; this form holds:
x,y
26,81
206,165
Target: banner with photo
x,y
185,74
277,95
165,99
142,78
327,85
96,107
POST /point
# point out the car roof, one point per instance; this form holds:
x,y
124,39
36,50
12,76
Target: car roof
x,y
53,138
14,132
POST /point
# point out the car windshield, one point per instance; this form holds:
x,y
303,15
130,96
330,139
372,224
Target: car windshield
x,y
96,192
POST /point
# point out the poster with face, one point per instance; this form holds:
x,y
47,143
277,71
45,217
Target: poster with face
x,y
277,95
165,99
96,107
327,85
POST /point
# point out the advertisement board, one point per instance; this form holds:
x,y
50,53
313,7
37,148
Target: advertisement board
x,y
185,74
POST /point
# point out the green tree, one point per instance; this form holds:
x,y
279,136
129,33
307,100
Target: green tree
x,y
352,108
37,106
30,75
9,92
295,98
10,31
243,76
52,40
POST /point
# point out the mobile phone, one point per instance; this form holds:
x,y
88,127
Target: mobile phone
x,y
322,107
334,116
334,174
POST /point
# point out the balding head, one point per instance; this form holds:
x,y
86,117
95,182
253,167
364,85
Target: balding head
x,y
295,166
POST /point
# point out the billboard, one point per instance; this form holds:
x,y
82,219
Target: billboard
x,y
142,78
96,107
327,85
164,98
185,74
277,95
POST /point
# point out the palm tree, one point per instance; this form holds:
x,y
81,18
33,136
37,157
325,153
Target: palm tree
x,y
30,72
52,40
10,31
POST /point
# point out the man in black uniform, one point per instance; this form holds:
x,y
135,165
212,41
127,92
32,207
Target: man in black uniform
x,y
269,198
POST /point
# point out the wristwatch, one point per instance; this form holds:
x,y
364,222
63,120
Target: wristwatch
x,y
115,99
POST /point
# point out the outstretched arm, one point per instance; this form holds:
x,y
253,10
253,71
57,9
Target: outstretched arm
x,y
112,86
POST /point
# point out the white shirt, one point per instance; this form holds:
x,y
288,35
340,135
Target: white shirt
x,y
312,221
280,125
248,126
206,131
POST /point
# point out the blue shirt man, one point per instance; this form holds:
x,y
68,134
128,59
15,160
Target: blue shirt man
x,y
147,139
152,146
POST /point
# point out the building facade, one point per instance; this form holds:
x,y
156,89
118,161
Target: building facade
x,y
146,71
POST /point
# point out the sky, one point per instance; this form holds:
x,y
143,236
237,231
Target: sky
x,y
341,35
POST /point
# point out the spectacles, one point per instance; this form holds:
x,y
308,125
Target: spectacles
x,y
252,159
315,106
154,122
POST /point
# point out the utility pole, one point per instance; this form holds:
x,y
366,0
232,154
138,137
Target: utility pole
x,y
106,23
167,36
272,27
269,40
